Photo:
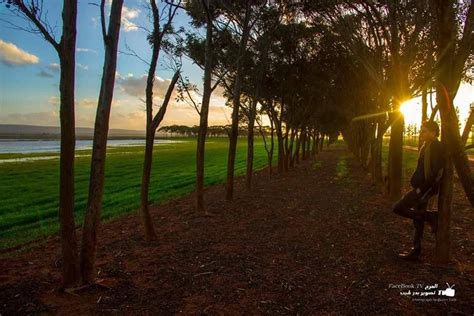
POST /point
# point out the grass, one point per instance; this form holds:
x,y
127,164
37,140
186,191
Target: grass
x,y
29,190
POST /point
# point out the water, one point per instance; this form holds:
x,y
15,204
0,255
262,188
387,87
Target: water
x,y
17,146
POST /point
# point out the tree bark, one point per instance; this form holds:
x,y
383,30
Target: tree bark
x,y
236,106
203,116
99,147
449,71
67,58
250,143
467,128
395,156
149,230
443,234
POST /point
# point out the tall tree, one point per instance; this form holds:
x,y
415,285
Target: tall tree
x,y
153,121
99,147
33,11
245,26
453,49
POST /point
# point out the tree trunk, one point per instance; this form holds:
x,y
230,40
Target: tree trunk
x,y
99,147
250,142
308,144
448,79
443,234
296,155
272,146
144,210
289,151
67,57
424,114
395,156
316,149
314,145
467,127
377,159
235,108
203,118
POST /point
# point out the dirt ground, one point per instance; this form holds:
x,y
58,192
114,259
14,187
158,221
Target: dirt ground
x,y
320,239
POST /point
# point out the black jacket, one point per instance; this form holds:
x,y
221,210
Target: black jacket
x,y
438,158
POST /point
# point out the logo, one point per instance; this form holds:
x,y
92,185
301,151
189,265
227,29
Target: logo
x,y
450,292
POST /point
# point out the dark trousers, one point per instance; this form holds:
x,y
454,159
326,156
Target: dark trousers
x,y
414,207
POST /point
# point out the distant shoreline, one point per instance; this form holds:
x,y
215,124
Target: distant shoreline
x,y
17,137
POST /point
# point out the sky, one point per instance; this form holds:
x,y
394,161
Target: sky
x,y
29,74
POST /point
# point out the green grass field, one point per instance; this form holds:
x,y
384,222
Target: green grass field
x,y
29,190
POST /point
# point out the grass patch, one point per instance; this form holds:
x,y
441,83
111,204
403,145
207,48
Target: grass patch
x,y
341,167
29,190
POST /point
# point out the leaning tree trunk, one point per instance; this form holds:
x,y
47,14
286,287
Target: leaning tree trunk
x,y
67,57
96,182
449,73
467,127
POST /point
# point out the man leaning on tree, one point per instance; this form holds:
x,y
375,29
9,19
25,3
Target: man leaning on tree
x,y
425,182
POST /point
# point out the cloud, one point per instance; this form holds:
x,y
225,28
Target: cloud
x,y
83,67
11,55
54,100
44,74
135,86
86,50
50,118
87,103
129,14
54,67
129,120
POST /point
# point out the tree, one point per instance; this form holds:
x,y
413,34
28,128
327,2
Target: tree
x,y
153,122
204,111
453,50
33,12
99,146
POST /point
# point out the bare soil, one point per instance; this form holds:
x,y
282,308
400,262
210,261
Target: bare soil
x,y
319,239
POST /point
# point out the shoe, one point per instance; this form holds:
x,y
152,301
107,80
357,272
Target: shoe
x,y
412,255
432,219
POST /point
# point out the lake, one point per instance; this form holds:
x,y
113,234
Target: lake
x,y
19,146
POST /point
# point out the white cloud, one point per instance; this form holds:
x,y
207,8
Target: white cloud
x,y
129,14
54,67
135,86
85,50
11,55
54,101
83,67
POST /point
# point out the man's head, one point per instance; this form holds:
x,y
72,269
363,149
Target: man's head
x,y
429,131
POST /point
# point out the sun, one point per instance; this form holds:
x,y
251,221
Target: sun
x,y
411,110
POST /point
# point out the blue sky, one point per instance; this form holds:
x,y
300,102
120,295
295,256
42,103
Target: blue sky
x,y
29,74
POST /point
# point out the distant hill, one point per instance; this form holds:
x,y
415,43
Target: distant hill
x,y
51,132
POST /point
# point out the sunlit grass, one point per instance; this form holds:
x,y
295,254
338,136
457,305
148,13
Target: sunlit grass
x,y
29,190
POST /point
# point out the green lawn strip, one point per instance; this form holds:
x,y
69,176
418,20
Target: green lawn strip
x,y
33,212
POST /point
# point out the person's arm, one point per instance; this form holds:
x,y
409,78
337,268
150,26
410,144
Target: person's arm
x,y
437,164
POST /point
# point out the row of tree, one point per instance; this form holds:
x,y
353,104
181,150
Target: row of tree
x,y
313,69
